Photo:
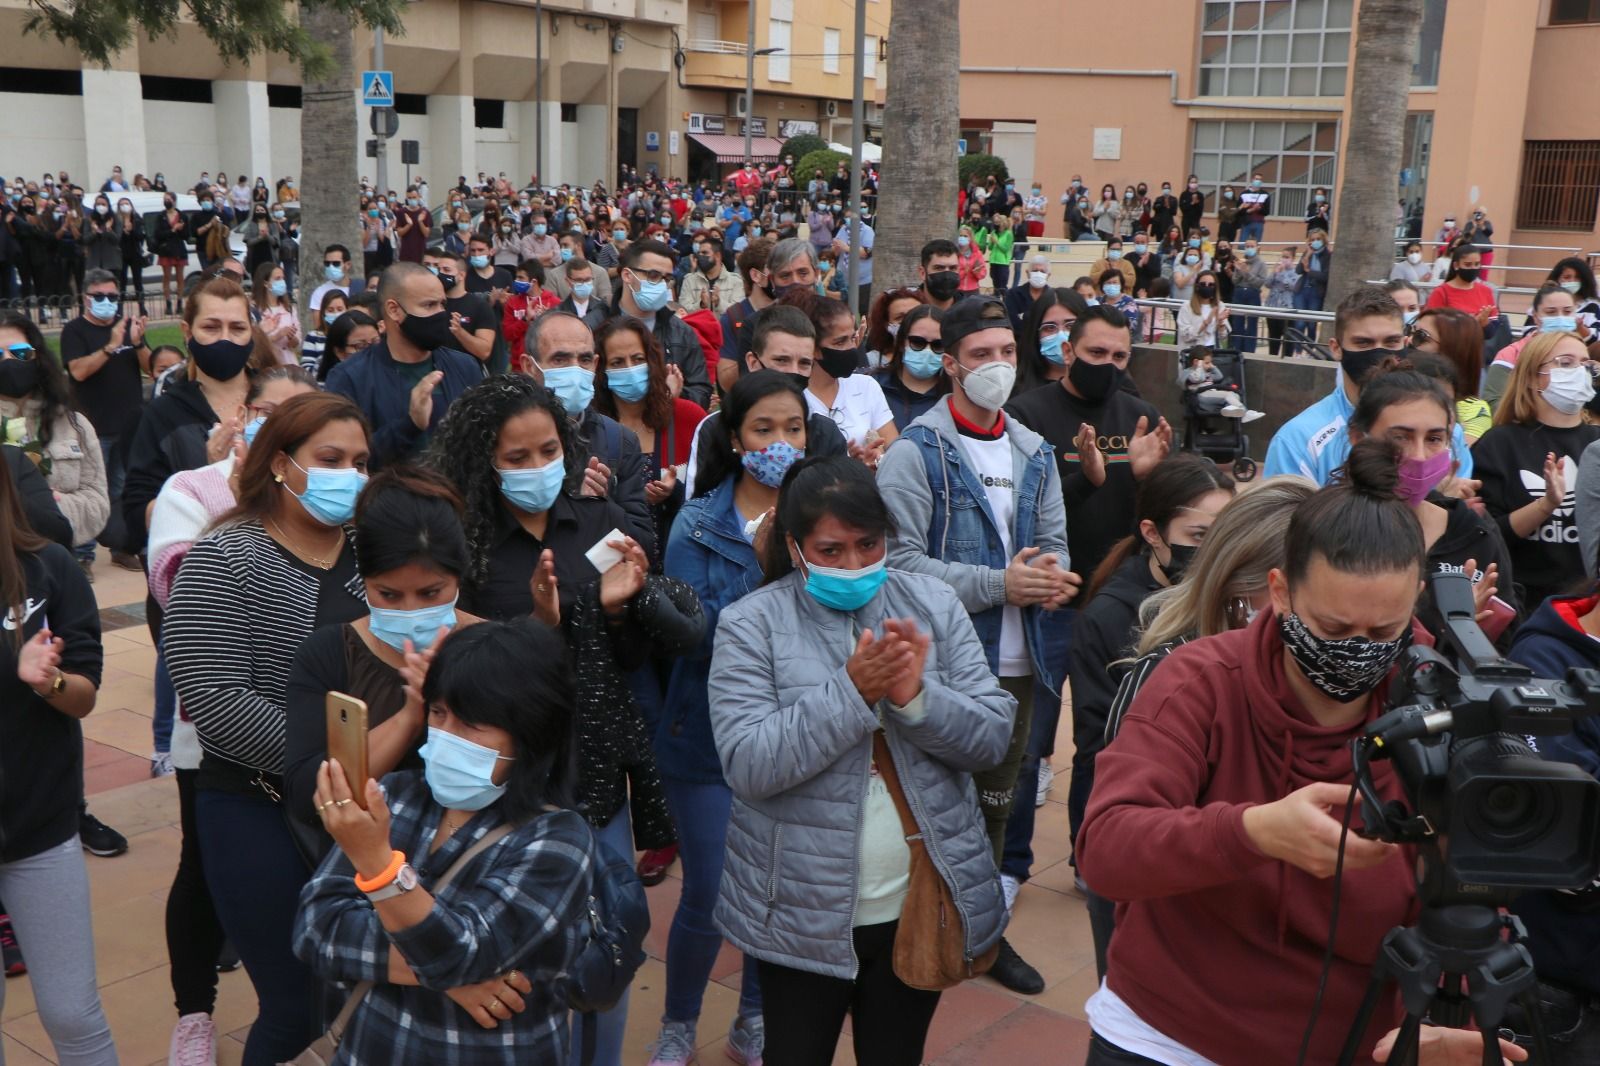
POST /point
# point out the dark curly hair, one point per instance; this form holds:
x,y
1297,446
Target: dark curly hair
x,y
462,449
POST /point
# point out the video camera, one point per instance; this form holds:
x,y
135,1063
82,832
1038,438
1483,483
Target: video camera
x,y
1488,815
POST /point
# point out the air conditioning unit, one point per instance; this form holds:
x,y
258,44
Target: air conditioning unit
x,y
830,108
738,106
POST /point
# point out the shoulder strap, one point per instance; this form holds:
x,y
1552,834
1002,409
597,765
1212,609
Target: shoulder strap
x,y
891,780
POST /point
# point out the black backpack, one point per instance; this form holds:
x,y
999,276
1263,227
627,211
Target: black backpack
x,y
611,943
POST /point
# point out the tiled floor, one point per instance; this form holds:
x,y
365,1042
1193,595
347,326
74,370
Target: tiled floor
x,y
979,1022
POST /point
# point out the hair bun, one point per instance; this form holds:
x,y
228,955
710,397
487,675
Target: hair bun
x,y
1373,469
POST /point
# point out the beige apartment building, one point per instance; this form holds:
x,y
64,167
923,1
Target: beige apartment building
x,y
1500,116
656,84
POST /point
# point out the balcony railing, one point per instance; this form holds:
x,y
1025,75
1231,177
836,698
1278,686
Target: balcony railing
x,y
704,44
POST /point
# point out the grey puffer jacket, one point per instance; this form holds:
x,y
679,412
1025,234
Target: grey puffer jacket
x,y
795,739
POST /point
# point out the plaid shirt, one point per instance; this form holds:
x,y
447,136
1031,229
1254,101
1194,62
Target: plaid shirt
x,y
517,905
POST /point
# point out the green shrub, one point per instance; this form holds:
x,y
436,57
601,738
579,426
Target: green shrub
x,y
981,165
800,146
823,159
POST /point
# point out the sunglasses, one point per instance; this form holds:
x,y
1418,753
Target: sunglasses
x,y
20,351
1421,336
333,262
922,344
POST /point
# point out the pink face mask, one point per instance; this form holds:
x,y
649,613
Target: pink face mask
x,y
1419,476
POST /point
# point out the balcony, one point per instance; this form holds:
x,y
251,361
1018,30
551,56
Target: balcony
x,y
713,64
710,47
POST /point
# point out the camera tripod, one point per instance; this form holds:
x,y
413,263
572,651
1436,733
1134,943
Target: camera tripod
x,y
1453,966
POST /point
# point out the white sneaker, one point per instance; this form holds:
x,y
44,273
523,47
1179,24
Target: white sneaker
x,y
194,1042
161,764
1233,410
1010,886
1047,777
1251,416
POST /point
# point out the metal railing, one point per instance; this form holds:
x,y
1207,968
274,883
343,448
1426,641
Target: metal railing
x,y
1161,317
714,47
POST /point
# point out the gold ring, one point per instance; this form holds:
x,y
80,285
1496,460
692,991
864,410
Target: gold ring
x,y
513,973
340,803
542,588
324,806
494,1001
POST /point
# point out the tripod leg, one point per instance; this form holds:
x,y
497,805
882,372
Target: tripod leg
x,y
1491,1048
1369,1003
1405,1044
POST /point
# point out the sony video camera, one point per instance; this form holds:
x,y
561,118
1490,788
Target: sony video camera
x,y
1488,815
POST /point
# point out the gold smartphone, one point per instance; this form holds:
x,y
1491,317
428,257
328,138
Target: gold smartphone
x,y
347,740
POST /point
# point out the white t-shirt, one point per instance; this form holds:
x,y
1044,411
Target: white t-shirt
x,y
1115,1021
991,460
858,407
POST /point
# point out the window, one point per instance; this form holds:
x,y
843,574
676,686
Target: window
x,y
778,37
1560,187
1275,47
283,96
830,51
1293,158
1425,71
411,103
177,90
869,58
1569,12
47,82
569,112
489,114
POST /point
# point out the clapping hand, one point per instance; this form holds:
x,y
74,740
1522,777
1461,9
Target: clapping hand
x,y
596,478
39,659
546,598
1091,460
658,491
623,581
905,687
877,665
1147,446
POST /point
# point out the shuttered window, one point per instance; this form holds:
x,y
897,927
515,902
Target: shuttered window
x,y
1560,187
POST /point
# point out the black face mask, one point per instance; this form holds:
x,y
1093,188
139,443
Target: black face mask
x,y
840,362
943,284
705,262
18,377
221,360
448,281
1205,291
1178,565
1357,365
1094,381
427,331
1467,273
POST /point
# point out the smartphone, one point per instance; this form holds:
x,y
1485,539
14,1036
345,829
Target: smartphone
x,y
347,740
1500,615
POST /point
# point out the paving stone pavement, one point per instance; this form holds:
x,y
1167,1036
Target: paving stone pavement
x,y
979,1022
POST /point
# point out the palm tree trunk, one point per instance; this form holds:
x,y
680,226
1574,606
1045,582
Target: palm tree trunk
x,y
328,165
1386,47
921,123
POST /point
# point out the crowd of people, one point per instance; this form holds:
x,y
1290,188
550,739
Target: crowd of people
x,y
629,543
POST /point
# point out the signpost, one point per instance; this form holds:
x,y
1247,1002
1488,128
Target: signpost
x,y
377,92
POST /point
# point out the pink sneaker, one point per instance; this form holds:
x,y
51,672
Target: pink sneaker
x,y
194,1042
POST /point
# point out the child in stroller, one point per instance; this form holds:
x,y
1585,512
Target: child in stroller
x,y
1207,390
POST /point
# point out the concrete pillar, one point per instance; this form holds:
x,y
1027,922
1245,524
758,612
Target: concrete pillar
x,y
555,166
113,119
244,128
452,143
597,143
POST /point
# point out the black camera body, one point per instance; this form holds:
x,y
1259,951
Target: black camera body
x,y
1489,817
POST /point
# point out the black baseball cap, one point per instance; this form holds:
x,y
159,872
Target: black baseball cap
x,y
972,315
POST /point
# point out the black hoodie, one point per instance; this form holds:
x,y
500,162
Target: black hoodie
x,y
1563,930
171,438
1468,535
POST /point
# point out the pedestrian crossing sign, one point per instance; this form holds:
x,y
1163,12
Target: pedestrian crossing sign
x,y
377,88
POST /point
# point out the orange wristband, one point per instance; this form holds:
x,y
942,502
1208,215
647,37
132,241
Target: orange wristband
x,y
397,860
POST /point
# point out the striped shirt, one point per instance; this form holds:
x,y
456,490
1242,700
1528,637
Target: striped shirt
x,y
238,613
521,904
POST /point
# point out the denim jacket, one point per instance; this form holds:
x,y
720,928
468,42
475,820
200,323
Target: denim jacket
x,y
707,551
947,530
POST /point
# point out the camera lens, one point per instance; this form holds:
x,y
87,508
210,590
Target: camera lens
x,y
1512,814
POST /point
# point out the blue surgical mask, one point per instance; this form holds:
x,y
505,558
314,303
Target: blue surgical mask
x,y
1249,253
923,365
573,386
1111,288
280,287
1194,242
566,253
1114,254
460,774
330,495
652,295
103,308
583,290
629,383
332,273
770,464
540,229
1409,316
420,626
533,489
1558,324
844,590
521,287
1050,348
479,261
1317,245
252,427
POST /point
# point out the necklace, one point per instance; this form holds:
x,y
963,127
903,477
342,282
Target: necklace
x,y
320,562
450,830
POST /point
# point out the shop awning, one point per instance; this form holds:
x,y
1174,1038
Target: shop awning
x,y
729,148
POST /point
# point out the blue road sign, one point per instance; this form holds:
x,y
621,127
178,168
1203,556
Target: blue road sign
x,y
377,88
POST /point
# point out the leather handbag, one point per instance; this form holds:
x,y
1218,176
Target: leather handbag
x,y
930,944
325,1047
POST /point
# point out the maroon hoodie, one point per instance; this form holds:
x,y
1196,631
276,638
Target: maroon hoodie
x,y
1218,946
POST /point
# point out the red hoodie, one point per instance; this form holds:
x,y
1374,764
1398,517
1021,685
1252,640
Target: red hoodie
x,y
1218,946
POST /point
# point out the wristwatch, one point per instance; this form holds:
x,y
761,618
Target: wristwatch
x,y
405,879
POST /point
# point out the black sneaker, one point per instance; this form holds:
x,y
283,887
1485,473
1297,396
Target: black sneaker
x,y
10,951
98,838
1015,974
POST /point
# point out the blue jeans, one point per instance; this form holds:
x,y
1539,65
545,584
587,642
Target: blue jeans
x,y
115,454
255,875
1018,856
166,706
617,835
1244,326
701,814
1251,231
1308,299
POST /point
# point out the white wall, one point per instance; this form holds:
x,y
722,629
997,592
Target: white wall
x,y
285,128
183,141
44,132
568,170
1013,142
588,161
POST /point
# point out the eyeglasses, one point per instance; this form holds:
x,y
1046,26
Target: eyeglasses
x,y
651,276
1421,336
20,351
1566,362
922,344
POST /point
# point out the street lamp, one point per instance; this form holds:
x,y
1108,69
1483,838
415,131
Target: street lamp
x,y
750,53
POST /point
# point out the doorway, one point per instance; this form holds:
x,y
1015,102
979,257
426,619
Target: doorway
x,y
627,137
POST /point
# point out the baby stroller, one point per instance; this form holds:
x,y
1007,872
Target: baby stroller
x,y
1207,431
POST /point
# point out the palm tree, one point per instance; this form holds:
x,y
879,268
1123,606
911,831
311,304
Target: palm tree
x,y
921,123
328,134
1386,48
